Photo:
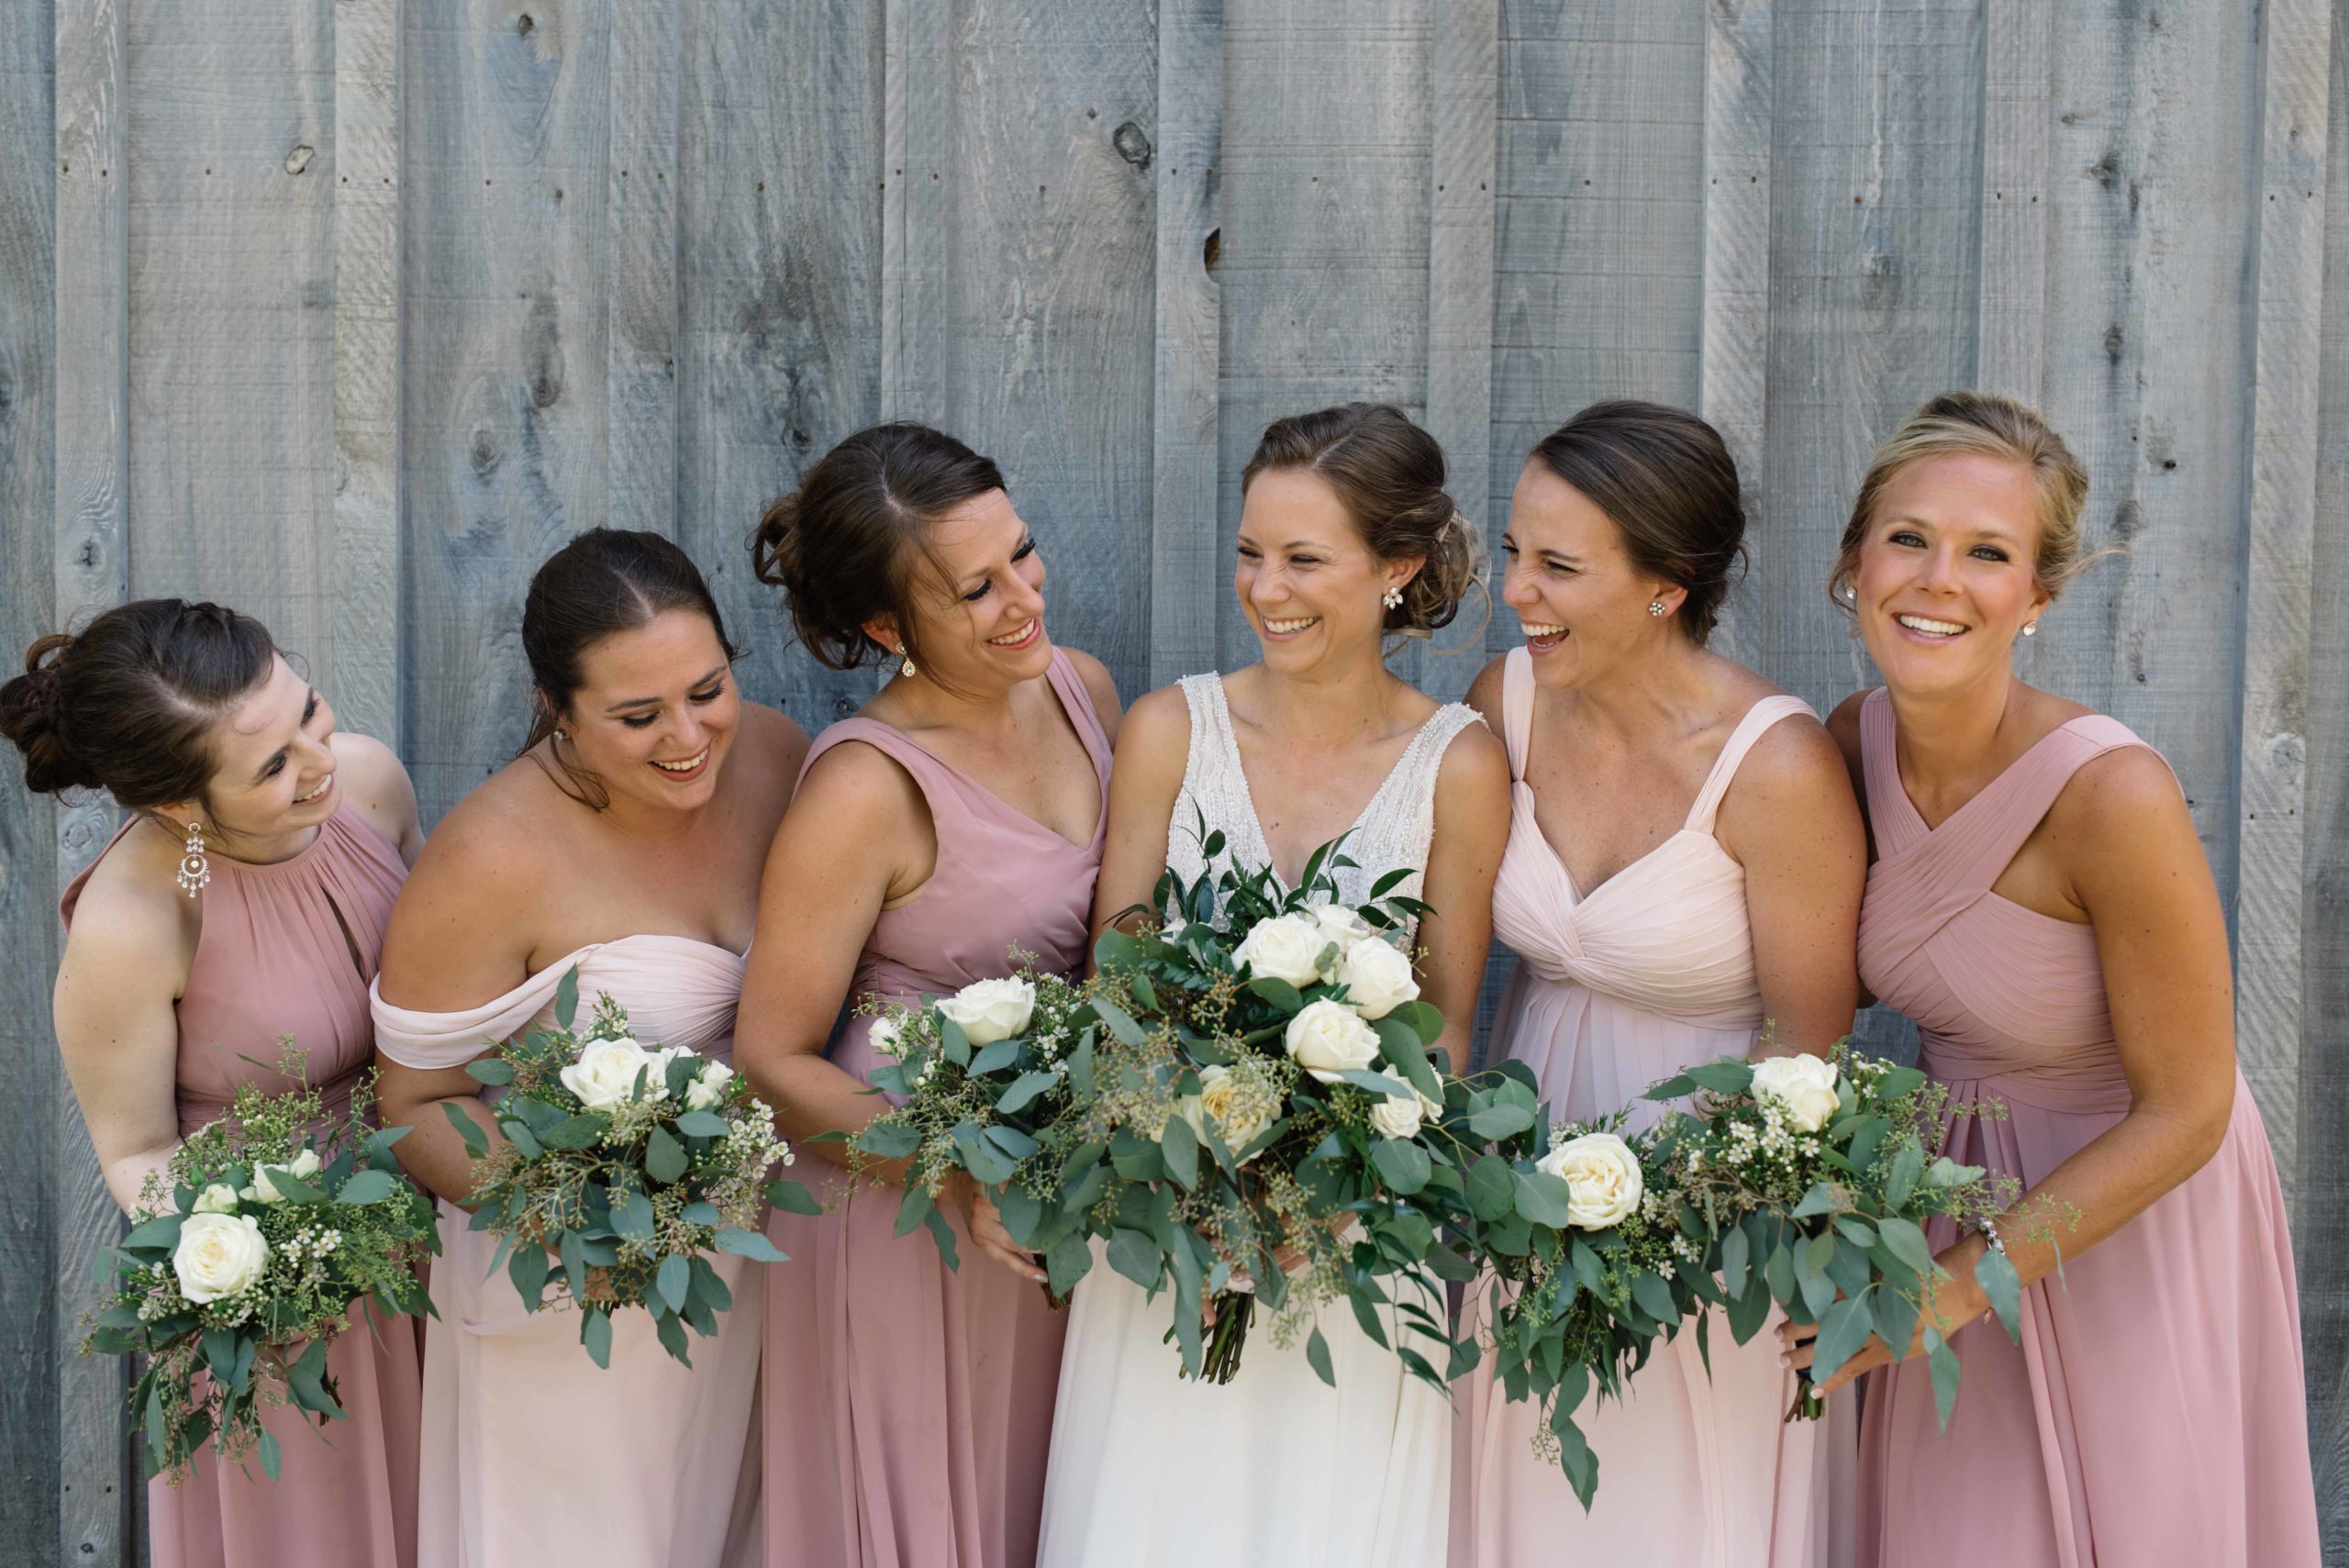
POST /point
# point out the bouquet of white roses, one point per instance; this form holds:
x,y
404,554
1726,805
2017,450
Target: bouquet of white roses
x,y
622,1164
979,1075
242,1264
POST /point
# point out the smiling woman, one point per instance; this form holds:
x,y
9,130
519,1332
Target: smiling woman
x,y
244,899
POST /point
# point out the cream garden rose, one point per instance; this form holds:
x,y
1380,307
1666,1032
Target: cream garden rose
x,y
217,1198
1803,1087
1329,1038
604,1075
990,1010
1603,1175
708,1085
1376,976
1392,1118
1340,925
302,1166
1287,947
888,1035
218,1255
1219,1097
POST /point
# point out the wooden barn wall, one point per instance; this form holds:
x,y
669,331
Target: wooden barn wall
x,y
347,311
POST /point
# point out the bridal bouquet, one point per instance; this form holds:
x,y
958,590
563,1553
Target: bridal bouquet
x,y
1814,1176
981,1075
243,1260
622,1164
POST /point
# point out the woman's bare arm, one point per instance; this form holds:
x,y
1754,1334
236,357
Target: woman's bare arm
x,y
1790,820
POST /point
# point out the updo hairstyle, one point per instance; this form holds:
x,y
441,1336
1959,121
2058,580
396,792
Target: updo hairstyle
x,y
1666,480
1981,424
1389,474
130,704
849,543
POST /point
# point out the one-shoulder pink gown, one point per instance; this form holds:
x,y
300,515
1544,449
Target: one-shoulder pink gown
x,y
908,1408
2154,1413
1649,971
533,1455
290,948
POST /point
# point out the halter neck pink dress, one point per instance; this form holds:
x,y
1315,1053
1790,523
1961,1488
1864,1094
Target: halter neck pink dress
x,y
2154,1412
274,959
1649,973
533,1453
909,1408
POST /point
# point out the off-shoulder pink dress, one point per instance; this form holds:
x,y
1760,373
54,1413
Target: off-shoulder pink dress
x,y
2154,1413
533,1455
1616,988
289,948
908,1408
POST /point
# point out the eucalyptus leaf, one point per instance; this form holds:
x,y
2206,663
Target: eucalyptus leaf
x,y
1402,1164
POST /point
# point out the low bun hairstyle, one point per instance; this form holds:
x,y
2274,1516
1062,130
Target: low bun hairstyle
x,y
604,581
130,704
1389,475
846,546
1666,480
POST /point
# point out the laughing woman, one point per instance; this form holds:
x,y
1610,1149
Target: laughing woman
x,y
1347,539
1684,863
958,816
623,841
244,899
2040,906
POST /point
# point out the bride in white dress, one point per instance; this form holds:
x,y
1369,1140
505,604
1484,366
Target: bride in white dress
x,y
1346,539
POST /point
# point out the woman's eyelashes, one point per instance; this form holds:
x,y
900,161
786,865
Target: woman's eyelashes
x,y
1911,538
277,764
710,695
1027,548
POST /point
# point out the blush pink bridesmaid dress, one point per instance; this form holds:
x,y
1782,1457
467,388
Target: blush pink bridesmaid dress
x,y
290,948
1648,972
908,1408
2154,1413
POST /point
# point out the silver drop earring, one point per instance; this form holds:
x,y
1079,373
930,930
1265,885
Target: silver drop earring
x,y
195,866
906,664
1392,598
1655,607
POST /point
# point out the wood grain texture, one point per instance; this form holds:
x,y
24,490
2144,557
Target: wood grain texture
x,y
1186,562
2272,778
1733,368
780,160
641,182
231,183
1052,298
90,570
916,289
503,404
2018,52
1600,249
1324,260
29,1252
364,676
1465,88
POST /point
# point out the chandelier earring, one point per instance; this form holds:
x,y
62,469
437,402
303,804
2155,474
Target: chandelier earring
x,y
1392,598
195,866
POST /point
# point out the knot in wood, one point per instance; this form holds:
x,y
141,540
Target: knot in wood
x,y
1133,144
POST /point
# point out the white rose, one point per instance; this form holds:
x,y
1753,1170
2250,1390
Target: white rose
x,y
1218,1097
219,1254
1328,1039
1287,947
709,1086
887,1036
1376,976
1340,925
604,1075
303,1166
990,1010
217,1198
1604,1175
1391,1118
1804,1087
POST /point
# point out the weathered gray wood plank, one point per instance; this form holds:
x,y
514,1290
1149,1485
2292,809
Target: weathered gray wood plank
x,y
1324,260
503,406
918,80
2019,51
1053,299
641,189
231,156
363,679
2271,781
90,567
1871,288
1732,371
1464,84
29,1250
1187,566
780,270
